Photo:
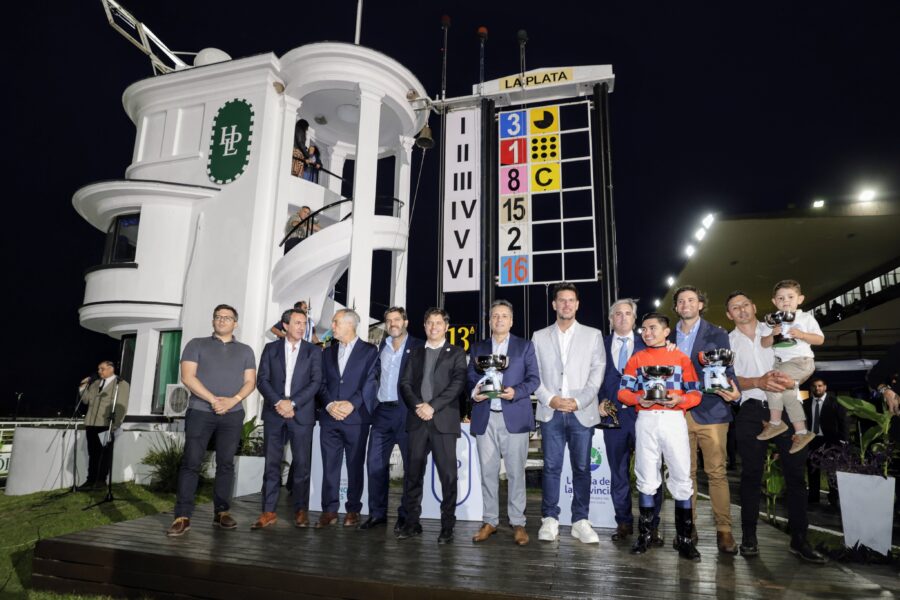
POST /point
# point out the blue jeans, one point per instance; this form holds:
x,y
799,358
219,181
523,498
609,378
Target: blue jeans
x,y
199,427
563,429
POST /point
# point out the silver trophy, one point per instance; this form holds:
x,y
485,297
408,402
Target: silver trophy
x,y
784,318
714,364
491,365
655,382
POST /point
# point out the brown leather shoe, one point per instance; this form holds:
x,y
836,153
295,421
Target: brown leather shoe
x,y
301,519
178,527
326,519
725,542
520,537
623,530
264,520
351,519
486,531
225,520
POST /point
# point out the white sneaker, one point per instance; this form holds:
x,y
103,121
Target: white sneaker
x,y
549,529
583,532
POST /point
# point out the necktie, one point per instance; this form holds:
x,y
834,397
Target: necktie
x,y
815,418
102,383
623,354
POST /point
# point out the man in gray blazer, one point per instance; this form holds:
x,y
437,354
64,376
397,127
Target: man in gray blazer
x,y
572,361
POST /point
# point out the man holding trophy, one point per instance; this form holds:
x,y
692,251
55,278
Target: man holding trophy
x,y
502,419
661,384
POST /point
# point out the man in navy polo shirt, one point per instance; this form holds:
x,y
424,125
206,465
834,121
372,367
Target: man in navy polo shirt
x,y
220,372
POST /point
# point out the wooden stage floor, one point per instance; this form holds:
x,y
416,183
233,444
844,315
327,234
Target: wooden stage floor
x,y
135,558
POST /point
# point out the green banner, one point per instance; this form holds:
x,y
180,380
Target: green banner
x,y
229,144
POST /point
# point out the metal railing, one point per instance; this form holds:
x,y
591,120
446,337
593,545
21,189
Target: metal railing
x,y
322,218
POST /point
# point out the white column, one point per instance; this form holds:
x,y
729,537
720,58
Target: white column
x,y
359,283
143,371
402,172
336,165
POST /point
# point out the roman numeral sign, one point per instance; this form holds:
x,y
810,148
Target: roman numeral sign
x,y
462,212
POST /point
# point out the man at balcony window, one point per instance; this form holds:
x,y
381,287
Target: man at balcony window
x,y
220,372
298,234
106,398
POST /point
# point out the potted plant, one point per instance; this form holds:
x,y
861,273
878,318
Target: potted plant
x,y
250,462
861,471
164,461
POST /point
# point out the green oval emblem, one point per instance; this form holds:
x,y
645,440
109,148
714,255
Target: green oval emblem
x,y
229,145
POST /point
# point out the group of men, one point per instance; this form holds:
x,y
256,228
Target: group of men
x,y
366,399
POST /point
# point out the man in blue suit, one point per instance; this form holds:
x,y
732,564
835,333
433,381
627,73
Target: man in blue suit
x,y
290,374
389,420
502,425
620,345
347,402
708,421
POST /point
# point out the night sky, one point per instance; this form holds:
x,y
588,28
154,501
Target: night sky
x,y
718,107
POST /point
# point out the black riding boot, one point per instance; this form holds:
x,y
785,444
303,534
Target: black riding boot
x,y
684,522
645,528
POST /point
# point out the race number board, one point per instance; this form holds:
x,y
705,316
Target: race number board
x,y
546,219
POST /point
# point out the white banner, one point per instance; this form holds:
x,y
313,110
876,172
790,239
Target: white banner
x,y
315,479
602,512
462,206
469,504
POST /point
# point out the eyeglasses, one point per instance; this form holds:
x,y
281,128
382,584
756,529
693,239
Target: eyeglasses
x,y
226,318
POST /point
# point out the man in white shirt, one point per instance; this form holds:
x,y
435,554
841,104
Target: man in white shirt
x,y
753,367
827,420
289,377
572,361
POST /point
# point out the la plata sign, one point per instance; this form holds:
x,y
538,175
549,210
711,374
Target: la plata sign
x,y
538,78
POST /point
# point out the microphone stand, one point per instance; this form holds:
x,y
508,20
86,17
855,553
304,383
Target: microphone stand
x,y
74,423
111,443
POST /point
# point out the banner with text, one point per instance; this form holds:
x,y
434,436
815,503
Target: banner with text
x,y
602,512
462,193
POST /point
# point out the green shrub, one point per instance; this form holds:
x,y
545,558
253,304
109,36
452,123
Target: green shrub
x,y
164,460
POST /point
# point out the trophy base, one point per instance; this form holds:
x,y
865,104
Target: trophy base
x,y
785,343
491,393
716,388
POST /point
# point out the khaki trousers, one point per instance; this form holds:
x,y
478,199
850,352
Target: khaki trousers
x,y
711,440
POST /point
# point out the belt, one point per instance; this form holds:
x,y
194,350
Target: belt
x,y
763,403
496,411
391,403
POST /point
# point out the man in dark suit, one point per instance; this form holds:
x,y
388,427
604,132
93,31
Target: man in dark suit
x,y
707,422
502,425
430,386
347,402
389,420
620,345
828,420
289,376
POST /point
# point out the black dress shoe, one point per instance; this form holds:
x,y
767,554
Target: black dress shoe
x,y
400,524
409,531
802,549
749,546
446,535
371,523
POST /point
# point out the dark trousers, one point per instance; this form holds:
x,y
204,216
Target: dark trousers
x,y
277,430
814,475
388,428
562,429
336,440
199,427
98,455
619,449
442,446
753,458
